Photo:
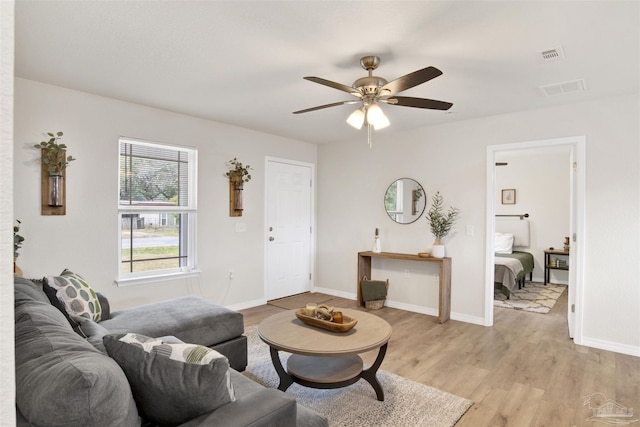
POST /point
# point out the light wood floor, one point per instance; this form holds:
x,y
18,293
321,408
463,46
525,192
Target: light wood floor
x,y
523,371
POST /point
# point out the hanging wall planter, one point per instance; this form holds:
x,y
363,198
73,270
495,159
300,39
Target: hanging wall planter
x,y
237,177
54,161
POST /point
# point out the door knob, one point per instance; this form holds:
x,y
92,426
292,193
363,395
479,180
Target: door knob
x,y
271,239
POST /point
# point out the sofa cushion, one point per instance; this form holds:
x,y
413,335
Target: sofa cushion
x,y
105,306
93,332
73,294
244,387
189,318
61,380
171,383
27,289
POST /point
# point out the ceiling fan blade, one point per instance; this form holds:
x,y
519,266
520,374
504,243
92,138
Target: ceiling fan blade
x,y
335,85
320,107
408,101
410,80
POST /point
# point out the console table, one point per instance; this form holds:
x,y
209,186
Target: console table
x,y
444,303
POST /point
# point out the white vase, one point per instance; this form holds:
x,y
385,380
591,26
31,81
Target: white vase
x,y
376,245
437,251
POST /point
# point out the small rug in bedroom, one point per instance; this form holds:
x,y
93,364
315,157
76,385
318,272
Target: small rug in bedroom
x,y
406,403
534,297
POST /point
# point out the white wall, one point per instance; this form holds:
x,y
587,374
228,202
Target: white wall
x,y
85,239
451,158
7,351
351,183
541,180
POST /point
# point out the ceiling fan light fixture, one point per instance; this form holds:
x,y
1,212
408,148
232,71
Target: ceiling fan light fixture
x,y
356,119
371,90
376,117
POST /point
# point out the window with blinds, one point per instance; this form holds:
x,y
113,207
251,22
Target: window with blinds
x,y
157,210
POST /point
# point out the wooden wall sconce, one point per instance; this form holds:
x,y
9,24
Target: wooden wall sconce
x,y
236,187
53,192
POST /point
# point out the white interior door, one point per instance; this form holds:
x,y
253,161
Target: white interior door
x,y
576,250
288,234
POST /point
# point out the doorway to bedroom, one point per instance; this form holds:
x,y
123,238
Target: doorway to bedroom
x,y
535,193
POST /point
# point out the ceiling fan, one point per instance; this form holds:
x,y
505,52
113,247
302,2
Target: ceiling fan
x,y
372,90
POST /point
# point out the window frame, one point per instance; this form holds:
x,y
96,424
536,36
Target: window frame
x,y
190,209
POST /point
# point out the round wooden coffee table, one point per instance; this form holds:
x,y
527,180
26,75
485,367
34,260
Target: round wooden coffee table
x,y
325,359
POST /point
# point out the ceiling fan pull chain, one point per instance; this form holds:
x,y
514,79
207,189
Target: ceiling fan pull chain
x,y
369,134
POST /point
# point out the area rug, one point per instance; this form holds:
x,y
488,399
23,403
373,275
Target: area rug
x,y
534,297
407,403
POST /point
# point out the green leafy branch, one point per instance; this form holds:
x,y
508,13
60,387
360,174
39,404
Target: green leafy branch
x,y
239,173
440,222
53,154
17,239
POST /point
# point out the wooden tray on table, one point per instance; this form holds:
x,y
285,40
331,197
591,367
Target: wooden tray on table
x,y
347,322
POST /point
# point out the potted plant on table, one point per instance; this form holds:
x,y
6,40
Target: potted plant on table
x,y
440,223
55,159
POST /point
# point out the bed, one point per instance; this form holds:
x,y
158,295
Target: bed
x,y
512,264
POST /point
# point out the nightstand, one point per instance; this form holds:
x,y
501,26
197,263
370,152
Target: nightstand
x,y
550,265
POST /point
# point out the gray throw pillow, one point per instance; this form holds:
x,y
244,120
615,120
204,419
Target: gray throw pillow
x,y
171,383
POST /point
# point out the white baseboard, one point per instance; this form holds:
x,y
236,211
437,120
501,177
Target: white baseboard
x,y
245,305
407,307
341,294
611,346
476,320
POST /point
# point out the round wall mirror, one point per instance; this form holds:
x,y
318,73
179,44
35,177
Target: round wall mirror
x,y
405,201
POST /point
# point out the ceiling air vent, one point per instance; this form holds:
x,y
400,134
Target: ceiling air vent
x,y
552,55
564,87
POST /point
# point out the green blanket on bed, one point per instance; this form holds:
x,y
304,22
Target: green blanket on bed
x,y
525,258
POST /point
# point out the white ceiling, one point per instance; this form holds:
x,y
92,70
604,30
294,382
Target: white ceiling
x,y
243,63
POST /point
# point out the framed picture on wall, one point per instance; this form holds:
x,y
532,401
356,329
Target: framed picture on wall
x,y
509,197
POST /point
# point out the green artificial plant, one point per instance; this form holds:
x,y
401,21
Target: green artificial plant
x,y
53,154
440,222
240,173
17,240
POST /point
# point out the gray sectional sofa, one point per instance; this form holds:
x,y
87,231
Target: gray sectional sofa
x,y
64,376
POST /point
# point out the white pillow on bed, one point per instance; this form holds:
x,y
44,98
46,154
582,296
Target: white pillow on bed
x,y
503,243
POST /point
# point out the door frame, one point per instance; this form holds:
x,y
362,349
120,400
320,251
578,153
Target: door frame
x,y
312,250
578,147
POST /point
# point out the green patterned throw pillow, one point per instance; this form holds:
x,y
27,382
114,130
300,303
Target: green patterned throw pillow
x,y
75,295
171,383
